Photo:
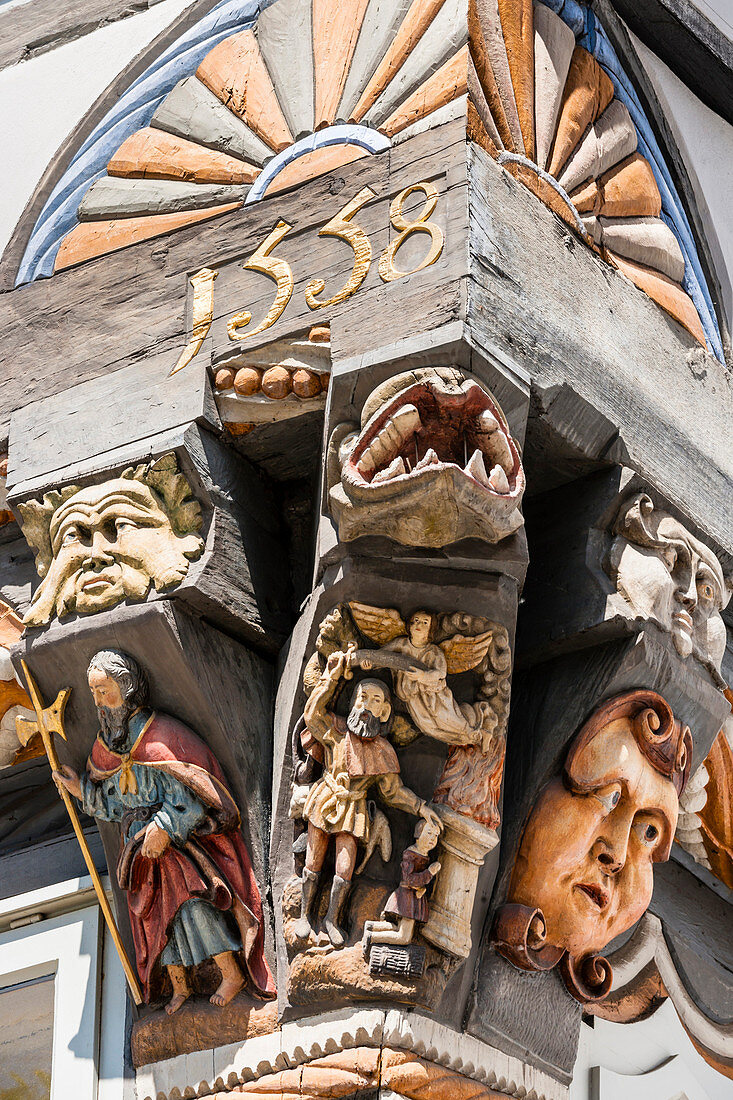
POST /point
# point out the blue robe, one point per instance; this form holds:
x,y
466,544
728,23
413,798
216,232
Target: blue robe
x,y
199,930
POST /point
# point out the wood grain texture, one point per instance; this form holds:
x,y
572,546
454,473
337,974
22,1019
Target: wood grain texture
x,y
132,304
153,154
414,25
25,34
90,239
554,43
193,112
521,254
336,28
627,190
285,35
111,197
518,30
492,65
645,241
483,85
662,290
448,83
316,163
380,25
445,36
588,91
235,72
610,139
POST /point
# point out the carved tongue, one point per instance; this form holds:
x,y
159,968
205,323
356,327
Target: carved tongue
x,y
394,469
498,481
476,469
428,459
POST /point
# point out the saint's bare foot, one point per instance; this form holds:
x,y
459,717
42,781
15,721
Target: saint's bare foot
x,y
229,988
176,1001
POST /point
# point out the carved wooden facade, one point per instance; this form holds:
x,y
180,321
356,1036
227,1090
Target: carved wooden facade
x,y
367,550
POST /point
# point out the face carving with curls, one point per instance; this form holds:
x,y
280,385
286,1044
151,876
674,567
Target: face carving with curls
x,y
434,462
670,577
99,545
583,873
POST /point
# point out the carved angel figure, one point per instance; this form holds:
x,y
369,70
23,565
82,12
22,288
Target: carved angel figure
x,y
420,681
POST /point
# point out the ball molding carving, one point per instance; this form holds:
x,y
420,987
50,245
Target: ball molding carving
x,y
583,874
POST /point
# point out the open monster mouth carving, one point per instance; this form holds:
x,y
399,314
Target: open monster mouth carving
x,y
434,462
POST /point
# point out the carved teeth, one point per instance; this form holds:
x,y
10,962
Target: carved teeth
x,y
476,469
392,435
498,481
393,470
428,459
407,421
487,422
498,446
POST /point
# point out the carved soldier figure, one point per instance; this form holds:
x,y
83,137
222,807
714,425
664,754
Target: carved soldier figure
x,y
408,903
190,886
357,756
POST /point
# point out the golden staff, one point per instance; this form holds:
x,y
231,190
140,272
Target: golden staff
x,y
49,720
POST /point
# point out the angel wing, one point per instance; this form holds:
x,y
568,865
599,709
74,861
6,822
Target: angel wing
x,y
379,624
464,653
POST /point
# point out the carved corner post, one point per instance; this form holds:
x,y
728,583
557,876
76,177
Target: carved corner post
x,y
618,659
420,562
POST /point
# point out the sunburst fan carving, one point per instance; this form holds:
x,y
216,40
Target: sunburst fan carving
x,y
260,96
312,85
550,113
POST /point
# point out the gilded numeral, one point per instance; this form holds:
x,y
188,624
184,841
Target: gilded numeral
x,y
342,227
203,313
277,270
420,224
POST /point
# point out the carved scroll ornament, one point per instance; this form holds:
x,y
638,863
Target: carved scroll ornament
x,y
102,544
583,874
433,462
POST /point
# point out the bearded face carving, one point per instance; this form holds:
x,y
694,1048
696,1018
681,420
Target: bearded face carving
x,y
100,545
670,577
583,874
433,462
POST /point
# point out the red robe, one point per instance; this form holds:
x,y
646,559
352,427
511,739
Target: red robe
x,y
214,864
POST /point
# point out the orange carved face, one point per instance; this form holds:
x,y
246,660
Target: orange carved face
x,y
586,858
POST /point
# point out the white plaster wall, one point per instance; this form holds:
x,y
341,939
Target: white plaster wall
x,y
634,1049
706,144
43,99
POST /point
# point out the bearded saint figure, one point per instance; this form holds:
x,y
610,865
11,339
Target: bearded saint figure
x,y
190,886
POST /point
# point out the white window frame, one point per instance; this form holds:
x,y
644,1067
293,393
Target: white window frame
x,y
69,944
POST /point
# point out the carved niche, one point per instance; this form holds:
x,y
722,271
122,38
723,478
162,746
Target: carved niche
x,y
99,545
194,905
583,874
668,576
377,682
433,462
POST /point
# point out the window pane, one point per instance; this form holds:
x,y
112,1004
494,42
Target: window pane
x,y
26,1040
